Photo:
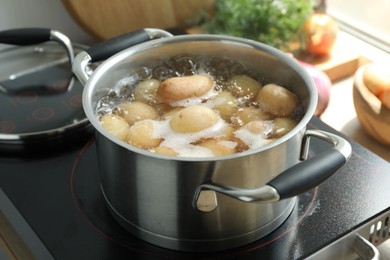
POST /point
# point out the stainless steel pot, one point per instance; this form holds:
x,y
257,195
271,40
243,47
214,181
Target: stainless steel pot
x,y
205,204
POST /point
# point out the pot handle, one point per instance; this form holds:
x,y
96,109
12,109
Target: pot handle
x,y
30,36
112,46
299,178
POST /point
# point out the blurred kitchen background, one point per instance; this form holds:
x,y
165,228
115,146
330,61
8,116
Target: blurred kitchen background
x,y
369,16
41,13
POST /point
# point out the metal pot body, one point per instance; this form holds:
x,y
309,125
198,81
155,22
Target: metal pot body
x,y
152,195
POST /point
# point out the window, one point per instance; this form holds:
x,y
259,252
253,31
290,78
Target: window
x,y
368,20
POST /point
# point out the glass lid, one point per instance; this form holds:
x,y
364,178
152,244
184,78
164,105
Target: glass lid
x,y
40,98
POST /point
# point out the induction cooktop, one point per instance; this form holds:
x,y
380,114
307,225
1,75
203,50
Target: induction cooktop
x,y
54,201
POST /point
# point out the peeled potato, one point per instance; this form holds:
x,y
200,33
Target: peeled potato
x,y
255,134
193,119
225,103
136,111
219,147
186,115
244,86
283,125
276,100
165,150
376,77
115,125
228,132
241,145
256,127
247,114
179,88
146,90
385,97
171,112
141,135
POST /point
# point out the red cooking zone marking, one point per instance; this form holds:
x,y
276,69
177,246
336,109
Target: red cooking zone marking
x,y
59,86
27,97
7,126
43,113
75,101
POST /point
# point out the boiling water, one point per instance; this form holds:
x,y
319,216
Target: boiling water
x,y
220,70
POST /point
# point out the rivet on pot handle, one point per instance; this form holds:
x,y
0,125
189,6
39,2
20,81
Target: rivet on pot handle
x,y
299,178
106,49
30,36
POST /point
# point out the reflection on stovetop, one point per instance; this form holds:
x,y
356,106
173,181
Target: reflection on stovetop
x,y
59,196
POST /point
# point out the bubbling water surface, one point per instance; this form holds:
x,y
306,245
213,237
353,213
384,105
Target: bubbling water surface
x,y
231,136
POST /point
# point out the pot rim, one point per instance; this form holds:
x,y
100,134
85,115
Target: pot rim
x,y
118,57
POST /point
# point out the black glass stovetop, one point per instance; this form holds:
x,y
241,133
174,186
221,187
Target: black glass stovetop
x,y
57,193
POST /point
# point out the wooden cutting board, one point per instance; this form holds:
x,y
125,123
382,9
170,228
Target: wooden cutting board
x,y
105,19
340,63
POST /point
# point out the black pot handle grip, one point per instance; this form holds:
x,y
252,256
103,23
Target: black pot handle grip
x,y
25,36
311,172
31,36
307,174
295,180
106,49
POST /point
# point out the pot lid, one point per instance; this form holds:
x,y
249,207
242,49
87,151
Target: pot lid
x,y
40,98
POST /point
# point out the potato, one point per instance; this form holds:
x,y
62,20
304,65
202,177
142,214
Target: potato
x,y
385,97
244,86
241,145
179,88
194,116
115,125
171,112
219,147
193,119
146,90
141,135
247,114
225,103
228,132
165,150
283,125
256,127
255,134
136,111
277,100
376,77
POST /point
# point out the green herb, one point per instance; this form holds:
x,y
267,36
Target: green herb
x,y
273,22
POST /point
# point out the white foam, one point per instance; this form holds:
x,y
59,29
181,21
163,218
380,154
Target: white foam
x,y
194,100
182,143
212,102
252,140
228,144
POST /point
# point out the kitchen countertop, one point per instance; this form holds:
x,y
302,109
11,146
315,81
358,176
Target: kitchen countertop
x,y
340,113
